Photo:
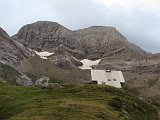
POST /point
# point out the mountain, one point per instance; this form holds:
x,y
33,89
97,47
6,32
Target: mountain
x,y
96,42
49,49
100,42
105,44
25,61
92,43
51,37
48,36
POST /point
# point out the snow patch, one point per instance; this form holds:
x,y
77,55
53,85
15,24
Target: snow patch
x,y
3,62
44,54
88,63
30,49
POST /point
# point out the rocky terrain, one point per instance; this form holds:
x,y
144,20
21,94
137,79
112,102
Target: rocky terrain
x,y
12,52
51,36
100,42
96,42
69,50
93,43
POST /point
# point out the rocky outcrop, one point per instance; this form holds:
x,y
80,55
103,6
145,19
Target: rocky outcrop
x,y
43,81
63,58
24,81
11,51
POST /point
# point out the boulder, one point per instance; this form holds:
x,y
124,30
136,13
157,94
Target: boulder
x,y
43,81
24,80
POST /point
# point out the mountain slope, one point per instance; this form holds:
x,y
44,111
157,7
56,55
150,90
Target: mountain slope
x,y
100,41
8,74
44,35
51,37
72,102
12,52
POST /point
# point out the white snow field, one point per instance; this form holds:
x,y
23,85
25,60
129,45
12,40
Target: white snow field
x,y
44,54
88,63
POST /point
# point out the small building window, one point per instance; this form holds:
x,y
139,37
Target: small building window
x,y
108,70
114,79
109,79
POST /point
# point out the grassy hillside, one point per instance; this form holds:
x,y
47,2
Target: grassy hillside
x,y
8,73
72,102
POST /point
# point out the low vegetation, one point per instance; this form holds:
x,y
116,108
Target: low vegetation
x,y
72,102
42,67
8,73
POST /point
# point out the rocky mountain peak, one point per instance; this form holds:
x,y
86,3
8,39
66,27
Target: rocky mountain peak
x,y
100,40
47,36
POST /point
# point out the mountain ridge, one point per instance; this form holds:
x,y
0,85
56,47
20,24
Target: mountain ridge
x,y
58,34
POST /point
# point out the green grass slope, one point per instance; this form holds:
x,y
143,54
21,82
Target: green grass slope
x,y
72,102
8,73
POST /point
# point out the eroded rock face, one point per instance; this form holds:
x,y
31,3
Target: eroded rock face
x,y
93,43
11,51
100,42
96,42
47,36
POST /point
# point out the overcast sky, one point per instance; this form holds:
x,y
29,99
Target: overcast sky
x,y
137,20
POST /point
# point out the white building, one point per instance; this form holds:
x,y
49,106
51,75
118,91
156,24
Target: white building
x,y
112,78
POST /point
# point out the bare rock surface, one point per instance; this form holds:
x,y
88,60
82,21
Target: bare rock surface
x,y
24,80
43,81
100,41
45,35
93,43
11,51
